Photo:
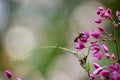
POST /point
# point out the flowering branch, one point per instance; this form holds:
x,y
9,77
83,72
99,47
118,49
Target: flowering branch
x,y
107,72
99,51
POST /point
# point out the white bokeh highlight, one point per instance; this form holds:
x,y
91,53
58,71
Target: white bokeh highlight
x,y
18,41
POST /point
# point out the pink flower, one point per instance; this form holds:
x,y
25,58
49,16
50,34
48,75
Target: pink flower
x,y
115,25
100,29
84,37
97,71
96,34
97,55
110,35
79,46
105,48
18,79
100,8
117,66
96,65
98,12
92,77
95,47
98,20
115,76
107,15
117,13
114,68
8,74
109,11
102,13
107,55
118,17
104,73
113,56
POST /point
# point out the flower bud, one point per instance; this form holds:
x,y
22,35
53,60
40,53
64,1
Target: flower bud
x,y
98,20
110,35
115,25
117,13
96,65
113,56
96,34
97,71
98,12
109,11
118,17
100,8
100,29
92,77
102,13
105,48
107,55
18,79
8,74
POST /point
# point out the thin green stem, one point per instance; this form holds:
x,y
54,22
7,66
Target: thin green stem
x,y
88,75
114,33
116,45
44,47
117,52
88,50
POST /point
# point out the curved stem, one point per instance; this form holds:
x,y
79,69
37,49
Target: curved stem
x,y
65,49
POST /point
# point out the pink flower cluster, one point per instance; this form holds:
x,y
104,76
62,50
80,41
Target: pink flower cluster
x,y
111,72
9,75
104,13
99,49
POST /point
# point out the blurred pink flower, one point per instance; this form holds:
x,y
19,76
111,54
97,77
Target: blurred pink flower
x,y
8,74
96,34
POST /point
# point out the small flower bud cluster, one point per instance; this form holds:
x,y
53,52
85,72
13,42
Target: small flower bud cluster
x,y
106,14
103,14
99,49
9,75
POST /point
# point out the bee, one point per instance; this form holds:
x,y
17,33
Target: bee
x,y
78,37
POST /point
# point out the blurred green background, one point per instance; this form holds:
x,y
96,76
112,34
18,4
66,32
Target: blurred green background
x,y
25,24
